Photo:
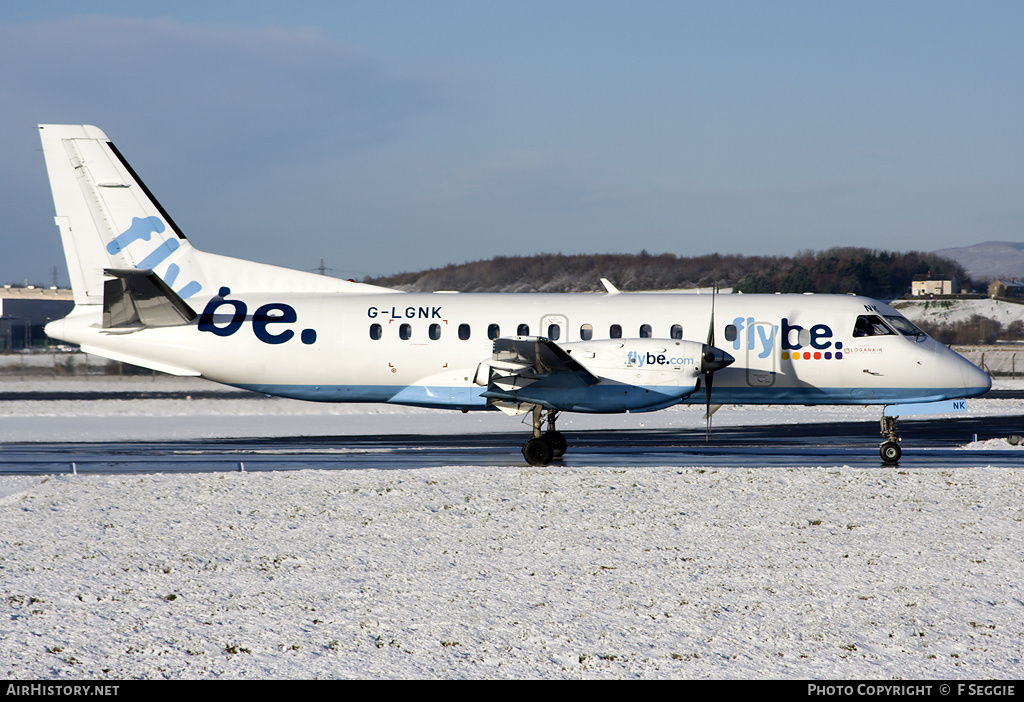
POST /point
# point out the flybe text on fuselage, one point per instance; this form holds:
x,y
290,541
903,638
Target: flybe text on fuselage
x,y
267,320
793,337
639,359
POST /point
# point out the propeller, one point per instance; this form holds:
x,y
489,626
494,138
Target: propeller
x,y
712,359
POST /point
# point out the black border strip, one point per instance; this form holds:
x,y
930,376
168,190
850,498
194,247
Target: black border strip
x,y
142,185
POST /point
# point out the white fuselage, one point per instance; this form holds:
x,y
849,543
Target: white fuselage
x,y
426,349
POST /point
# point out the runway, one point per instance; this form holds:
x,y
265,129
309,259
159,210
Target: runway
x,y
927,444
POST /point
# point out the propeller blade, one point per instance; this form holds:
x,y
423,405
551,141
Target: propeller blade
x,y
713,359
707,404
711,323
708,365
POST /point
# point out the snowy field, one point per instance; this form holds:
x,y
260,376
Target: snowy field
x,y
952,311
514,572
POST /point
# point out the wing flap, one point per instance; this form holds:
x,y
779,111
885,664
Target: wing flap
x,y
541,358
532,362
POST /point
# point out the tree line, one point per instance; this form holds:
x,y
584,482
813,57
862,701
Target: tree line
x,y
878,274
976,330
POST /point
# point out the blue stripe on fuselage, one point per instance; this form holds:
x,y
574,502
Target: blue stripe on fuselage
x,y
444,397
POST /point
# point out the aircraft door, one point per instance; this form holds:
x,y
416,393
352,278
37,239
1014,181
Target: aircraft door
x,y
555,327
762,355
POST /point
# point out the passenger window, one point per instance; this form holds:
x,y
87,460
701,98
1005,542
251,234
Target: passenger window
x,y
645,331
587,332
435,332
731,332
870,325
523,330
375,332
493,331
615,332
677,331
464,332
405,332
554,331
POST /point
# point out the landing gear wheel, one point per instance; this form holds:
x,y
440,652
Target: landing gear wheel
x,y
557,442
890,449
890,452
538,452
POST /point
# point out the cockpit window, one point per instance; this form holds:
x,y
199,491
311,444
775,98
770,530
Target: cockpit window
x,y
905,327
871,325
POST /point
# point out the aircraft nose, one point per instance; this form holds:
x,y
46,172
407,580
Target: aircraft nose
x,y
976,381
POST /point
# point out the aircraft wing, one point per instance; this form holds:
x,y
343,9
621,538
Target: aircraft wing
x,y
633,375
534,362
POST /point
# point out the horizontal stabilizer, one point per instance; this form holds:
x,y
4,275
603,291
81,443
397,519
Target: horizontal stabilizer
x,y
135,298
141,362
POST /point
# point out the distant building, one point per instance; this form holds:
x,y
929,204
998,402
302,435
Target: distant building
x,y
1006,288
927,285
25,311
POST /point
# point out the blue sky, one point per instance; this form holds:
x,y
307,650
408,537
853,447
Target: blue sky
x,y
392,135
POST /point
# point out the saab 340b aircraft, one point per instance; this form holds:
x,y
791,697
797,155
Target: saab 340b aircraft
x,y
144,295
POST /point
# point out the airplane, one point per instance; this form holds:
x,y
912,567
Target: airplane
x,y
144,295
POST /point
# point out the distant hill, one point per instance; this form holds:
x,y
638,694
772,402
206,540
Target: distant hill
x,y
989,260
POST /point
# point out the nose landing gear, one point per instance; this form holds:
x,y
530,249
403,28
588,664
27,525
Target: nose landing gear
x,y
890,450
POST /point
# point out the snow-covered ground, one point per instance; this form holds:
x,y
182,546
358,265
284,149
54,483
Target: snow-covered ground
x,y
1004,357
952,311
486,572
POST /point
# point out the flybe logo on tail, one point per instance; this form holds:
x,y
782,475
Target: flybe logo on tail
x,y
142,229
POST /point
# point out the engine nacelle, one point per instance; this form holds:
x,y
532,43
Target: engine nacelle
x,y
648,362
612,375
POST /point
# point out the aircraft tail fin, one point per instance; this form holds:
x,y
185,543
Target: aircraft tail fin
x,y
109,220
107,217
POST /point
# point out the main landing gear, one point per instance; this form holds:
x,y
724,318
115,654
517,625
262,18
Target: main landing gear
x,y
545,446
890,450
